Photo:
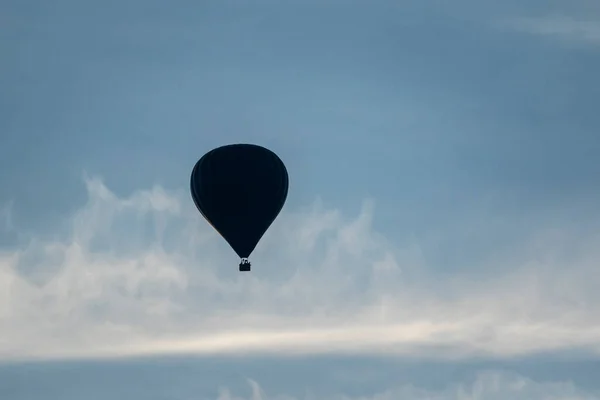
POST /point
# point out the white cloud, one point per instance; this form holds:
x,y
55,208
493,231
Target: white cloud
x,y
486,386
558,26
146,275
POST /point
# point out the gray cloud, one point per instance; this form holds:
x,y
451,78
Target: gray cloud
x,y
6,223
145,275
559,26
488,385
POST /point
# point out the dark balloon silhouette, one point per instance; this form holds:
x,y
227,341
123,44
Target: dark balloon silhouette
x,y
240,189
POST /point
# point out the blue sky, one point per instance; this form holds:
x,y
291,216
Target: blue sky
x,y
441,232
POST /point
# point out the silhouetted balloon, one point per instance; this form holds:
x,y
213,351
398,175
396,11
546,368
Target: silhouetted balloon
x,y
240,189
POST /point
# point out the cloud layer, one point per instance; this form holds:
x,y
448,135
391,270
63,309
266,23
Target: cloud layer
x,y
144,274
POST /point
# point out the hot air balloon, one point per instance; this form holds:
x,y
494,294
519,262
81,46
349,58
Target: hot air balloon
x,y
240,189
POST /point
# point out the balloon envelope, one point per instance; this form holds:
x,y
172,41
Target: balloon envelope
x,y
240,189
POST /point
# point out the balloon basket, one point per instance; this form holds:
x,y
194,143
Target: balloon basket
x,y
244,265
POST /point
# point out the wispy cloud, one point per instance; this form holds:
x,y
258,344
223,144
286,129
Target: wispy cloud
x,y
562,27
487,385
6,223
146,275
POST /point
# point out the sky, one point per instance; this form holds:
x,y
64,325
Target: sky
x,y
441,236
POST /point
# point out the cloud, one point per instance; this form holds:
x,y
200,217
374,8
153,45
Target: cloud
x,y
144,274
489,385
562,27
6,223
